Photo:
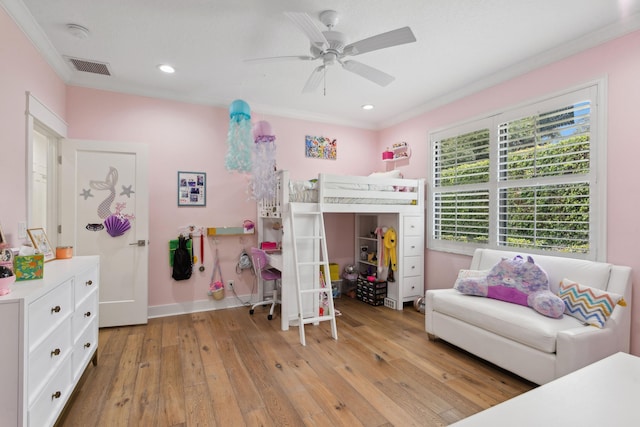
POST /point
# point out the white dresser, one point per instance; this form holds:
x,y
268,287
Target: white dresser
x,y
48,336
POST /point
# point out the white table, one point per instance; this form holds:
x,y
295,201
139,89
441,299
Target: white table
x,y
274,259
602,394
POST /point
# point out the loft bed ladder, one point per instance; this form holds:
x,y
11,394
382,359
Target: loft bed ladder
x,y
315,296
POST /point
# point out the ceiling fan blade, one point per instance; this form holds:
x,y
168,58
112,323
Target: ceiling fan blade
x,y
314,80
309,28
381,41
282,58
369,73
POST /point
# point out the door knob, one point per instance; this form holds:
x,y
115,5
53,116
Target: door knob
x,y
139,243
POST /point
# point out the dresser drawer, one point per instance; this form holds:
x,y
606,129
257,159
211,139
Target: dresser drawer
x,y
84,314
46,358
86,282
412,287
413,226
49,311
412,266
84,347
412,245
48,404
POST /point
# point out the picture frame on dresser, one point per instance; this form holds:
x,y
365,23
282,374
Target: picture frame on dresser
x,y
41,243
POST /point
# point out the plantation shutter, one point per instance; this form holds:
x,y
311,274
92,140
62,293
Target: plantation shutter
x,y
530,177
461,196
543,180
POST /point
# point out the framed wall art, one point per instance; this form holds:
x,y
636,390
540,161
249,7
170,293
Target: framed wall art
x,y
192,189
41,243
320,147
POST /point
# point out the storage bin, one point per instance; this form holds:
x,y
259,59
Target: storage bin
x,y
372,293
334,271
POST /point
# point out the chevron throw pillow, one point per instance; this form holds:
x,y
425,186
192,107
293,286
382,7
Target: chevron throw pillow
x,y
591,305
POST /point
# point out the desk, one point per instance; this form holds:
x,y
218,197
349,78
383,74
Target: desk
x,y
275,260
604,393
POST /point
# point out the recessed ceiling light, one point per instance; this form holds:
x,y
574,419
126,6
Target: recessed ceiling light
x,y
367,107
166,68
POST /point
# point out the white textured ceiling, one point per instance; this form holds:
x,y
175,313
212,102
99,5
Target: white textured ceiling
x,y
462,46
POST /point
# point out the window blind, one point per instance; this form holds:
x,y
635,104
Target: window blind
x,y
523,178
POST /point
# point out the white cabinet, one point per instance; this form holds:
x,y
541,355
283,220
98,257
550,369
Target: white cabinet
x,y
409,277
49,335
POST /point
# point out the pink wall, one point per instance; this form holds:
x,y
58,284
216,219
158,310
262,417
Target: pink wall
x,y
193,138
23,69
619,62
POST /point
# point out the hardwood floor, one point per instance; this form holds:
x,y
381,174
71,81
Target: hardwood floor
x,y
227,368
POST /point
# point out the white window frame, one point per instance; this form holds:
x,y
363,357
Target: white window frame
x,y
596,91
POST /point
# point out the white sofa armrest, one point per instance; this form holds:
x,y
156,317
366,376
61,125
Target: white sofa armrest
x,y
428,309
579,347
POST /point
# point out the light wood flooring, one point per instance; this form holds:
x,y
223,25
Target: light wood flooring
x,y
227,368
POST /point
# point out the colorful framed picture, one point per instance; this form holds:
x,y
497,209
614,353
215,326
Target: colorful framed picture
x,y
41,243
192,189
320,147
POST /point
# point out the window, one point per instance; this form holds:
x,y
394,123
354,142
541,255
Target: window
x,y
524,178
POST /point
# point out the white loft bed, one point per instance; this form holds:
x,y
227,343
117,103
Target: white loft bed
x,y
331,193
344,193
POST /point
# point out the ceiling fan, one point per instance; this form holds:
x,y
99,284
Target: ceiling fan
x,y
331,47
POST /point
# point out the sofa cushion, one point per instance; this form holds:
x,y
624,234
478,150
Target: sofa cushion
x,y
511,321
589,305
515,280
472,282
589,273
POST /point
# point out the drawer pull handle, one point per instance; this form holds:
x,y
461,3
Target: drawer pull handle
x,y
87,314
413,247
55,309
56,395
55,352
87,345
89,282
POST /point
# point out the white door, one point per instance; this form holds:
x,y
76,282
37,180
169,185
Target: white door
x,y
103,187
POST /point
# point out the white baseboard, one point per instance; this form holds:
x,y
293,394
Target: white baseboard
x,y
210,304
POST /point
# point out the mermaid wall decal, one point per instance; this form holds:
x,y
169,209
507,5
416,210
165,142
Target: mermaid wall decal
x,y
109,184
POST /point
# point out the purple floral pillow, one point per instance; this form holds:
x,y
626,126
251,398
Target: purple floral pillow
x,y
517,281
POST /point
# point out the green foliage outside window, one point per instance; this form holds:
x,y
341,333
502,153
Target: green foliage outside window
x,y
554,217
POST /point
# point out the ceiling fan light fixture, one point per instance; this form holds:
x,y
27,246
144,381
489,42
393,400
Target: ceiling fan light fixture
x,y
166,68
367,107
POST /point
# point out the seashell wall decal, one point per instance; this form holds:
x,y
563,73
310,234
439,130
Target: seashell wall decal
x,y
116,225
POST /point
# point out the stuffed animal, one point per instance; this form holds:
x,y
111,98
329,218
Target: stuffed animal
x,y
514,280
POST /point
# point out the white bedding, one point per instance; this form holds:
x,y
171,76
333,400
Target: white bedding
x,y
307,192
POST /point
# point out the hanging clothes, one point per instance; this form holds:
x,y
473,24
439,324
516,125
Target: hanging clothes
x,y
390,242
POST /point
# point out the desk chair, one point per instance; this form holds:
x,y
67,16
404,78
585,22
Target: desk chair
x,y
267,274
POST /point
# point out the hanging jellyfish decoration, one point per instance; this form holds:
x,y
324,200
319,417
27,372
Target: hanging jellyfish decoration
x,y
239,140
263,181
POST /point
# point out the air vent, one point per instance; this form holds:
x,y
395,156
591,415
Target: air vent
x,y
87,66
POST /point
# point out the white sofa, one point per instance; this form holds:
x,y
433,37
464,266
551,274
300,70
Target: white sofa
x,y
519,339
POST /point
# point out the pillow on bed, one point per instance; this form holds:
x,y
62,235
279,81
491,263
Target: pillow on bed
x,y
388,174
590,305
394,174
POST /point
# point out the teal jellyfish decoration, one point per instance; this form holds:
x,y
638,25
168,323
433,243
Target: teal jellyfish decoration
x,y
239,138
